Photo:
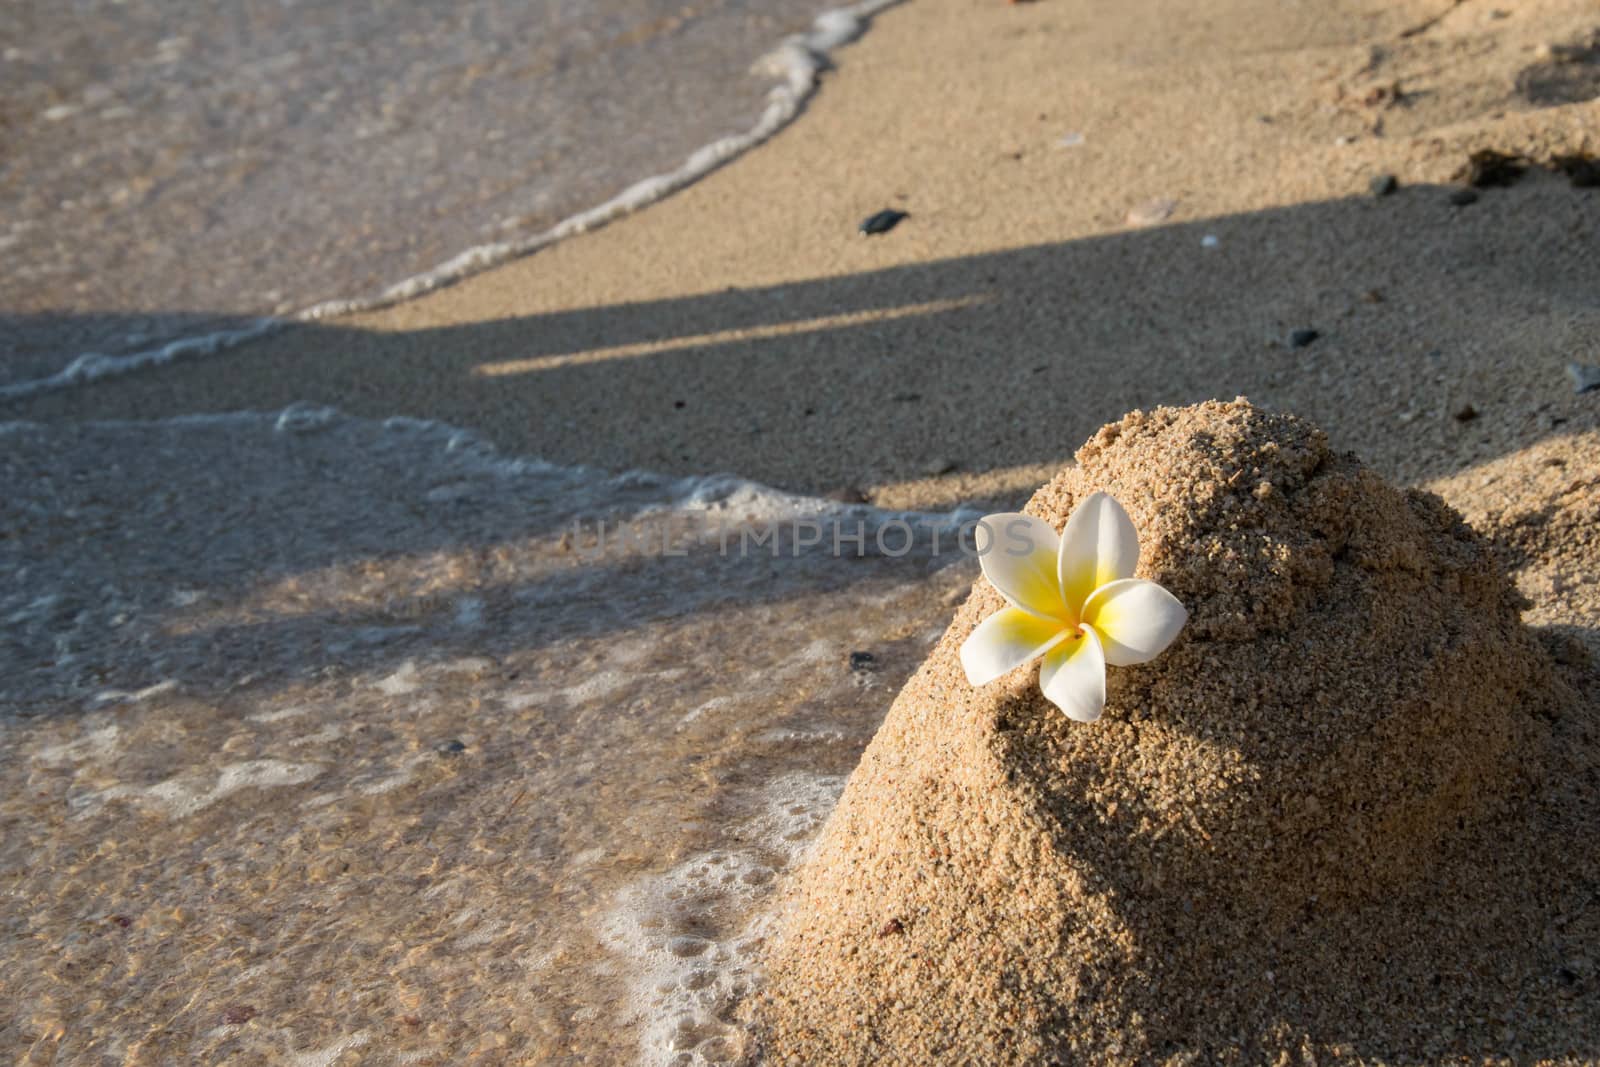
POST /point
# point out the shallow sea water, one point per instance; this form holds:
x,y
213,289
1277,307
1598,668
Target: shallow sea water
x,y
351,743
172,167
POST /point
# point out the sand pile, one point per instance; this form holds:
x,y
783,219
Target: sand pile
x,y
1337,817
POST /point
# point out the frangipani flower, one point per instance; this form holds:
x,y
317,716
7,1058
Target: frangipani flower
x,y
1073,600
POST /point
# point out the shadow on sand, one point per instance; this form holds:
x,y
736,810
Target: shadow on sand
x,y
1003,360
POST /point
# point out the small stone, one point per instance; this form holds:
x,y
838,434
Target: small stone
x,y
848,494
1372,296
863,661
936,467
1466,413
238,1014
1581,168
892,927
1302,338
451,747
882,222
1151,212
1487,167
1383,184
1584,377
1463,197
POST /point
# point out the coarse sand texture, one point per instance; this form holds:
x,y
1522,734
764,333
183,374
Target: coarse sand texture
x,y
1325,822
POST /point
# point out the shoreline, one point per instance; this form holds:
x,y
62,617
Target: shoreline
x,y
797,61
744,325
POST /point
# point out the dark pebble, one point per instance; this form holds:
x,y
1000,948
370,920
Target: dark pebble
x,y
1584,377
1466,413
1301,338
237,1014
863,661
848,494
1463,197
1383,184
1486,167
451,747
1582,169
882,222
892,927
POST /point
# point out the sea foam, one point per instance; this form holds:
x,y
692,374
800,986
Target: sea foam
x,y
690,938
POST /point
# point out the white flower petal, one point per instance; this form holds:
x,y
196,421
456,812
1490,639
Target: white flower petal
x,y
1098,546
1136,620
1073,676
1018,554
1007,639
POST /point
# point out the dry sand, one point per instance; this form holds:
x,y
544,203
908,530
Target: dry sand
x,y
1344,815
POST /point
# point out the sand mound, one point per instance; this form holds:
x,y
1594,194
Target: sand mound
x,y
1335,816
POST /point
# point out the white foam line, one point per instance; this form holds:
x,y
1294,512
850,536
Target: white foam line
x,y
718,492
799,61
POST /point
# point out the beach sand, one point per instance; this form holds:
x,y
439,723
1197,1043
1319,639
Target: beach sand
x,y
745,325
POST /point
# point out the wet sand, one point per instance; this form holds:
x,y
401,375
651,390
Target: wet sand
x,y
370,749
